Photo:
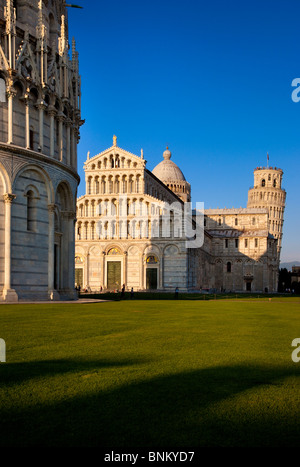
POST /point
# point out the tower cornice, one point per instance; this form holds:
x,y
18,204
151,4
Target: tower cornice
x,y
18,150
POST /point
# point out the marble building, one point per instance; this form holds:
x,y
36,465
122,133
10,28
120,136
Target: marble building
x,y
40,122
120,237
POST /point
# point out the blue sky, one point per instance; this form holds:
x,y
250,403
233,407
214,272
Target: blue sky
x,y
211,80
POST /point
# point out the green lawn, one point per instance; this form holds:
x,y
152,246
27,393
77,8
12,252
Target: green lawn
x,y
151,374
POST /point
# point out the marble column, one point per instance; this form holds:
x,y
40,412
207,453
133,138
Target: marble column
x,y
60,119
125,268
71,271
72,162
68,143
9,294
11,93
27,123
52,113
75,142
52,294
87,275
41,106
103,269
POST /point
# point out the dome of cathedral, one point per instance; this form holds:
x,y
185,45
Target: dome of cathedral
x,y
167,170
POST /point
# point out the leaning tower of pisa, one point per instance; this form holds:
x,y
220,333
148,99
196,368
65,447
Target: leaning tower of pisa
x,y
39,131
267,192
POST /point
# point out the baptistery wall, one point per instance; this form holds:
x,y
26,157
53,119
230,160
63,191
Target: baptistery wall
x,y
40,121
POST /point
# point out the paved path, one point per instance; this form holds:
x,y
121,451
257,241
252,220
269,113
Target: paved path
x,y
62,302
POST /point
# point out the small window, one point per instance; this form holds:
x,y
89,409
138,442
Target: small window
x,y
256,243
220,221
236,243
274,183
31,139
226,243
31,211
236,221
229,266
246,243
263,182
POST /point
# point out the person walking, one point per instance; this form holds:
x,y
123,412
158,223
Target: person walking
x,y
131,293
176,293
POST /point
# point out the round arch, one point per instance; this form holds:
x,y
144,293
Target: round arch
x,y
7,187
45,176
64,196
114,246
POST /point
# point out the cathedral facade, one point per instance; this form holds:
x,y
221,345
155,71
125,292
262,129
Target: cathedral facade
x,y
136,228
39,131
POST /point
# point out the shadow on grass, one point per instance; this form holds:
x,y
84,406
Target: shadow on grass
x,y
173,410
17,373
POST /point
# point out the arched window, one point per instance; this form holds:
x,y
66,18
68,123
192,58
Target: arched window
x,y
89,185
2,90
274,183
152,259
229,266
236,221
97,185
31,211
114,251
263,182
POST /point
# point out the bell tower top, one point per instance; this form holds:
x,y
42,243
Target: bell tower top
x,y
268,193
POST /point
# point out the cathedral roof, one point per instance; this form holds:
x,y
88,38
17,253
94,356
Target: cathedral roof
x,y
167,170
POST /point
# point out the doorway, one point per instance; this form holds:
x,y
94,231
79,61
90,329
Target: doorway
x,y
248,286
114,274
151,278
79,277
